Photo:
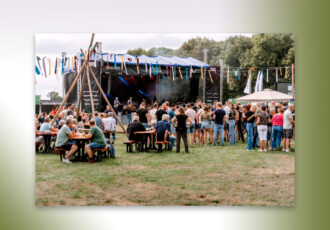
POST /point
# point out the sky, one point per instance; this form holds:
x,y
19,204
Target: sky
x,y
53,44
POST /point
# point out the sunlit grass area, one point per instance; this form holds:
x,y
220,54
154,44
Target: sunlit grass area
x,y
208,175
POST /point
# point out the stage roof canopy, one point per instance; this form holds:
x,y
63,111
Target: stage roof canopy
x,y
265,95
160,60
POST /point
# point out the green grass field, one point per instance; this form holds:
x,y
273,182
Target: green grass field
x,y
206,176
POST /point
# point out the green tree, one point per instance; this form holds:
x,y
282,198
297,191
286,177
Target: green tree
x,y
54,96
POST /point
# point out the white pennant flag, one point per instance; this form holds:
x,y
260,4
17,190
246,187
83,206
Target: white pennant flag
x,y
267,75
146,65
247,89
150,71
256,87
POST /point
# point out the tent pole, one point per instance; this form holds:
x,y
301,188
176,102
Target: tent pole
x,y
73,85
106,99
80,93
90,92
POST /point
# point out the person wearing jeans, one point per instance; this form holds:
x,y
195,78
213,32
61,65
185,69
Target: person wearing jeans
x,y
163,129
231,121
218,128
277,122
250,117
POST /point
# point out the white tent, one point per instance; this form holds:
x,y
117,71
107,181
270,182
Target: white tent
x,y
265,95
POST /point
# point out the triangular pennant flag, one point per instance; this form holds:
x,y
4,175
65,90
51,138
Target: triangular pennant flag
x,y
108,66
210,76
180,72
44,65
37,70
247,89
276,74
38,60
122,62
186,73
267,75
137,65
202,72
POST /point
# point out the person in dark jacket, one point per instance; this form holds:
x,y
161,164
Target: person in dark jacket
x,y
135,126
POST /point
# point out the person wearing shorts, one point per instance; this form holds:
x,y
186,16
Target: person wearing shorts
x,y
288,123
262,120
97,140
62,140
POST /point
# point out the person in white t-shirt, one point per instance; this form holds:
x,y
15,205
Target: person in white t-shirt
x,y
191,114
288,124
152,114
109,124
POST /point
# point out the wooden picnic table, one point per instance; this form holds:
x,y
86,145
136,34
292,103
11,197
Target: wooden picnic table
x,y
81,140
47,139
146,133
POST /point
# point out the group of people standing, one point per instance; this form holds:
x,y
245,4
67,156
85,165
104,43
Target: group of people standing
x,y
267,127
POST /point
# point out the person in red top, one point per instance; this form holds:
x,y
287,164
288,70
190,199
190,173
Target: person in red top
x,y
54,111
277,122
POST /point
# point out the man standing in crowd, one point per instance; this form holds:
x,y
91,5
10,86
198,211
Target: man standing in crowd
x,y
144,117
161,111
288,124
220,118
70,110
98,120
109,125
191,114
97,141
62,140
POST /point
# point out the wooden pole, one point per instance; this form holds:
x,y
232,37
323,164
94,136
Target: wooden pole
x,y
292,81
107,101
73,85
80,93
90,92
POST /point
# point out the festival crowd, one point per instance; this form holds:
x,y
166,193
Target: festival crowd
x,y
267,127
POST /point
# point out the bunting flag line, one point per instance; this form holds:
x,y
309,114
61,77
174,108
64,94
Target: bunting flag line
x,y
44,65
210,76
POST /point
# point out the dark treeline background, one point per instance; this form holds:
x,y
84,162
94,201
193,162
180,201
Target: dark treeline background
x,y
259,50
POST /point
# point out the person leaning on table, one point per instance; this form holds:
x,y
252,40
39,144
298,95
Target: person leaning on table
x,y
97,141
62,140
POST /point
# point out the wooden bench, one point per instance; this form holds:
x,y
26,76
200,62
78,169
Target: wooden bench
x,y
61,152
100,153
129,145
160,145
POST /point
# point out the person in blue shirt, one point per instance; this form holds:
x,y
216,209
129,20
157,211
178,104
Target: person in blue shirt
x,y
98,120
163,129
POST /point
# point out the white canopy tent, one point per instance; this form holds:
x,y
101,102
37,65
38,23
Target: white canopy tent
x,y
265,95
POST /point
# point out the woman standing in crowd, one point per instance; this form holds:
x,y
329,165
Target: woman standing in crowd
x,y
277,122
262,120
181,128
206,119
240,123
250,117
232,117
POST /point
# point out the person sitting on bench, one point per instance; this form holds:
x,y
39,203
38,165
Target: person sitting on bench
x,y
135,126
97,142
163,129
62,140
